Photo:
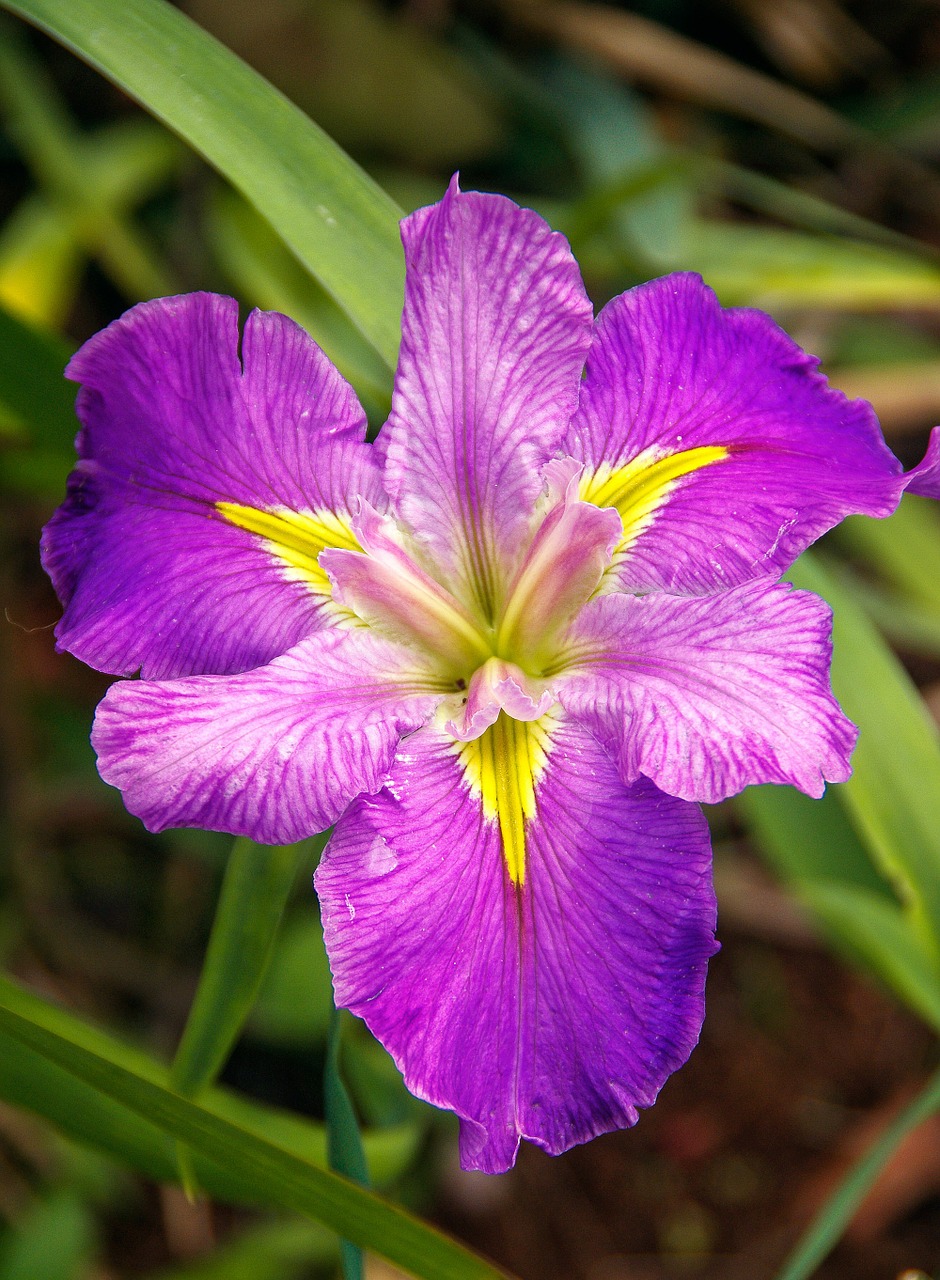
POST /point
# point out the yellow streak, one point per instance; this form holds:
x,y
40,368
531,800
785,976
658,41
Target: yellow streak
x,y
296,538
639,489
502,768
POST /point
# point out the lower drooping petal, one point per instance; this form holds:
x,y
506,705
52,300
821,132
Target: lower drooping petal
x,y
713,434
275,754
205,489
546,1004
707,695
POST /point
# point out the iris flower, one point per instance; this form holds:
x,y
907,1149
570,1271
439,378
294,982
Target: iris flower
x,y
506,648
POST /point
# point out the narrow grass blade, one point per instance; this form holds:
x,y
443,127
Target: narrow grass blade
x,y
355,1214
812,846
340,225
893,796
32,386
258,881
344,1141
38,121
879,935
31,1081
835,1216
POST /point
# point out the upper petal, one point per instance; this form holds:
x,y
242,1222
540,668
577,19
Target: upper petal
x,y
550,1008
925,477
725,451
204,489
275,753
710,694
494,333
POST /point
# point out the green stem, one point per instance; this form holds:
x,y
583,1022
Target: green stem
x,y
829,1224
258,880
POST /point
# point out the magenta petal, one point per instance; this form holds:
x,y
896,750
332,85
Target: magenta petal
x,y
671,371
276,753
495,329
925,477
548,1011
707,695
151,575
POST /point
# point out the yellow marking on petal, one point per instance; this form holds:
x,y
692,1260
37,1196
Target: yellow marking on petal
x,y
502,768
296,538
639,489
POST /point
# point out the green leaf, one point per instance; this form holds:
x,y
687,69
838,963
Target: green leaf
x,y
271,1251
258,881
40,124
32,386
41,243
880,935
29,1080
904,549
280,1175
893,796
630,176
40,262
910,626
339,224
777,268
836,1214
344,1141
267,274
812,846
55,1241
806,839
343,1136
296,996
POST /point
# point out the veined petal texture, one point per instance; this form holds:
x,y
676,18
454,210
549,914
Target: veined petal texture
x,y
195,469
549,1009
723,448
494,334
505,650
707,695
276,753
924,479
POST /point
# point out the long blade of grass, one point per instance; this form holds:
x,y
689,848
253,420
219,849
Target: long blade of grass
x,y
344,1141
341,226
33,1082
258,880
893,796
32,387
38,120
354,1213
257,883
878,933
834,1217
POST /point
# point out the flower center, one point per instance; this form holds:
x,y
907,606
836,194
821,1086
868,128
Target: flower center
x,y
499,663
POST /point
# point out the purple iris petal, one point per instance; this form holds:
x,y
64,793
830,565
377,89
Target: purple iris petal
x,y
925,477
494,334
505,647
276,753
151,574
707,695
670,371
548,1012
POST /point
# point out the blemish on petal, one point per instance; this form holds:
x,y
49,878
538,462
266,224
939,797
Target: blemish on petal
x,y
380,860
